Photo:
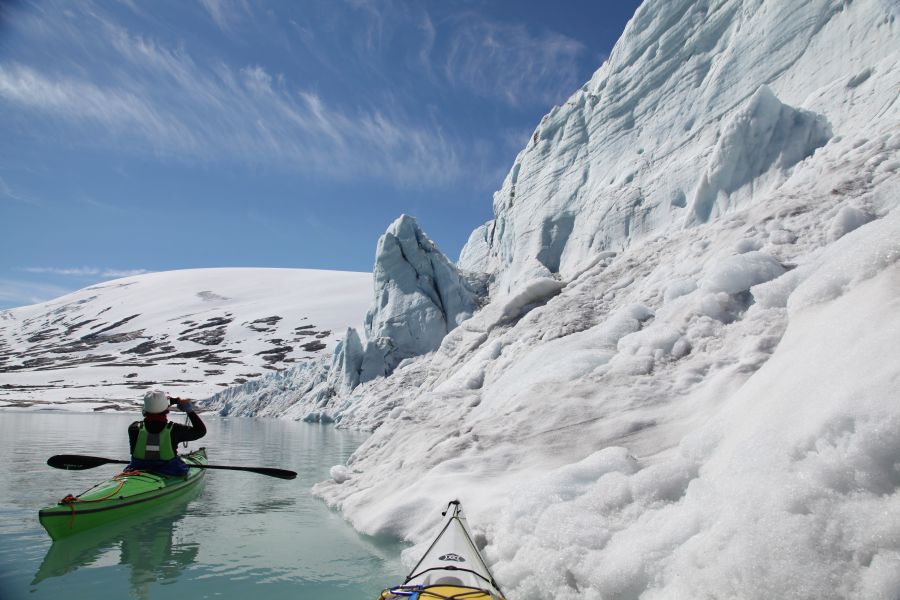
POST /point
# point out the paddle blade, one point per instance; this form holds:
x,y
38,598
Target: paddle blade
x,y
77,462
279,473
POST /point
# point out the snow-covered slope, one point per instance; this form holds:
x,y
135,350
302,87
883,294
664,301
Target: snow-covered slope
x,y
708,414
684,383
191,332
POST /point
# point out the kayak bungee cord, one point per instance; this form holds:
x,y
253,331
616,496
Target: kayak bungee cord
x,y
451,568
421,593
440,574
70,500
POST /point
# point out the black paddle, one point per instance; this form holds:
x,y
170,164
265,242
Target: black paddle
x,y
77,462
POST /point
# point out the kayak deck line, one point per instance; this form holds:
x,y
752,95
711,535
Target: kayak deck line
x,y
452,567
60,512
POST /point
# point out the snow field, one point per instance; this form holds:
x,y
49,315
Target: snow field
x,y
794,471
202,328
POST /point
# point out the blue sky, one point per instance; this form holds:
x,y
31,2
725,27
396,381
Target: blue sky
x,y
144,136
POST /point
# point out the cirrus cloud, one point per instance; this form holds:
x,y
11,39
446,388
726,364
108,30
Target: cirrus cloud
x,y
86,271
507,61
16,292
159,99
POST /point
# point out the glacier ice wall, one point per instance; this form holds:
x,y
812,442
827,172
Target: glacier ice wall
x,y
651,410
685,414
625,157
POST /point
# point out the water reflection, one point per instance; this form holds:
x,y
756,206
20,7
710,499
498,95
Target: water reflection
x,y
246,535
144,543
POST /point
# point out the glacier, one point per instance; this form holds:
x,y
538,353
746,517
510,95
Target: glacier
x,y
678,378
419,296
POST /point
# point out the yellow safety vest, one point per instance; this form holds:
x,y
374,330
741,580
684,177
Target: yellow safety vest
x,y
154,446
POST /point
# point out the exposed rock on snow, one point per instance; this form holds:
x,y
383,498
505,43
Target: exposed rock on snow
x,y
192,332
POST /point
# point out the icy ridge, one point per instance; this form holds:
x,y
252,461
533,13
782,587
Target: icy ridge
x,y
679,389
764,135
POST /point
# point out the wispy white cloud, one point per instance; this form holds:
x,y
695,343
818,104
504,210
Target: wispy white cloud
x,y
429,32
85,271
164,101
83,102
7,192
107,207
509,62
143,95
14,292
379,16
506,61
225,13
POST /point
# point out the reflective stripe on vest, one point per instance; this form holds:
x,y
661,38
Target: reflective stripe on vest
x,y
154,446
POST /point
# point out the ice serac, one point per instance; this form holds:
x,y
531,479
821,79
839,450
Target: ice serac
x,y
645,410
419,297
687,93
346,362
764,136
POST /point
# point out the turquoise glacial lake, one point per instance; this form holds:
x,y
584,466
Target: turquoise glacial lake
x,y
238,535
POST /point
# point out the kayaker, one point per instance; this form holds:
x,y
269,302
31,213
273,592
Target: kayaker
x,y
154,440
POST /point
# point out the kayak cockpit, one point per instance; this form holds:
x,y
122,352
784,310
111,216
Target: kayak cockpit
x,y
438,592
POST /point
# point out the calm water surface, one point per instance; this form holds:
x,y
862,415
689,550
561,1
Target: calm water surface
x,y
239,535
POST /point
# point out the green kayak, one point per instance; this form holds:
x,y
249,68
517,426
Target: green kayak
x,y
124,494
145,542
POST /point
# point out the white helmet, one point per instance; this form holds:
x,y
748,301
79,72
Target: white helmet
x,y
155,402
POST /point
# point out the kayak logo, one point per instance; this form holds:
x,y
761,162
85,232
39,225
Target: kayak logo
x,y
451,557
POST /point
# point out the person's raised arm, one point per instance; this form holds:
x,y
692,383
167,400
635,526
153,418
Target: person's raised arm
x,y
197,429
